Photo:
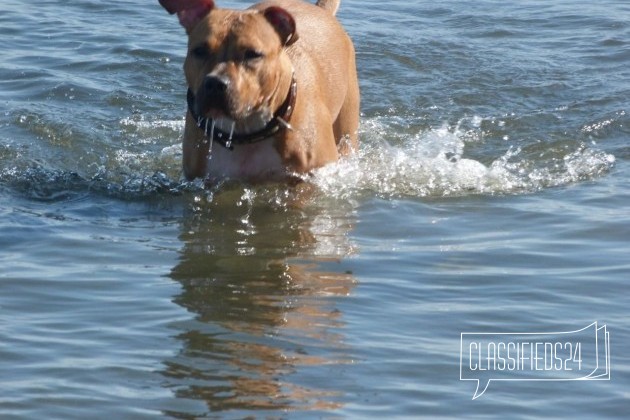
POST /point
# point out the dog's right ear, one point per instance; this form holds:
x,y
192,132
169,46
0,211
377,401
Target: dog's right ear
x,y
189,12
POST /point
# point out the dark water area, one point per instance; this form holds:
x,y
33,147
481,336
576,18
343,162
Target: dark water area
x,y
490,195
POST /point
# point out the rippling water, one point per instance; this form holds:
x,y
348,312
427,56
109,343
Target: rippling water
x,y
490,195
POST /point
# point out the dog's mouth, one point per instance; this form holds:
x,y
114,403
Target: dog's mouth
x,y
232,119
243,126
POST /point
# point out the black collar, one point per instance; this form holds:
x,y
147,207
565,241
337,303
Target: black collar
x,y
279,121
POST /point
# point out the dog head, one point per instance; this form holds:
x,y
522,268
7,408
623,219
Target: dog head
x,y
236,64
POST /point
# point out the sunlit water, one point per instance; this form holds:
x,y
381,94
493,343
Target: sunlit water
x,y
490,194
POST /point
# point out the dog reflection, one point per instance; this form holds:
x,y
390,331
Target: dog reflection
x,y
267,328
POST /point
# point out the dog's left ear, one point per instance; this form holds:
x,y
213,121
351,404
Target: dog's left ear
x,y
189,12
283,23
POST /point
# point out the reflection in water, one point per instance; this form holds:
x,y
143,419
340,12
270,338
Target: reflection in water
x,y
265,309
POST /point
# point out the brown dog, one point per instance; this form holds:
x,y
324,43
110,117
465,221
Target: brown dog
x,y
273,90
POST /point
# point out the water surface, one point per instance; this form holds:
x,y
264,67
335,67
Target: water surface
x,y
490,194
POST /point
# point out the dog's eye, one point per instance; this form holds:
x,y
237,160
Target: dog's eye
x,y
251,55
201,52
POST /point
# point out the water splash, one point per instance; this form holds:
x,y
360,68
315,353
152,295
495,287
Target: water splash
x,y
434,163
396,159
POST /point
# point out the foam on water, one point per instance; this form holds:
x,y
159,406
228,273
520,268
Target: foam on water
x,y
434,163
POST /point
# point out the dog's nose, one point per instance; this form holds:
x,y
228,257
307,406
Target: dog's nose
x,y
215,84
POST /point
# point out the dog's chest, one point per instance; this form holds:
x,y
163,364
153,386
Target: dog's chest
x,y
249,161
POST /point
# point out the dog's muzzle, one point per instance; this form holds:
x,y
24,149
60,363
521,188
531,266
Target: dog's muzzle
x,y
213,95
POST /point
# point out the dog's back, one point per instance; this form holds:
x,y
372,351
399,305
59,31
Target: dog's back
x,y
331,5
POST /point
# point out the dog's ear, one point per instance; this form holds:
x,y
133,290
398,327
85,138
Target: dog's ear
x,y
283,23
189,12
